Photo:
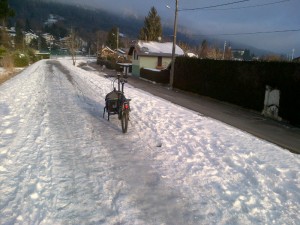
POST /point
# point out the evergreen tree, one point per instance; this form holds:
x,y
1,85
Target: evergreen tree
x,y
27,25
39,43
5,11
203,54
152,29
247,55
19,38
113,38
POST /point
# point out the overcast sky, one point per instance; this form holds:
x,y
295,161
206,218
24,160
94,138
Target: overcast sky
x,y
248,16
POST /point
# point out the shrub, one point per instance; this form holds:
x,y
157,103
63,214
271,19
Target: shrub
x,y
2,51
32,56
106,63
20,59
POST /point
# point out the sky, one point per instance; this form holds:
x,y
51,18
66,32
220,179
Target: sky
x,y
250,16
61,162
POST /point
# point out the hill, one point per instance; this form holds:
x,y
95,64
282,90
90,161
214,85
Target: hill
x,y
87,21
83,19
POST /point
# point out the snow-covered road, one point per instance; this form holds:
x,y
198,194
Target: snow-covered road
x,y
62,163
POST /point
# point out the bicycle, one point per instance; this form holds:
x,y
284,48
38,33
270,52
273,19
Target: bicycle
x,y
117,103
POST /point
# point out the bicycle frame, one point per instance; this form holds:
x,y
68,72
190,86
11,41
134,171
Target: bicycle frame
x,y
117,103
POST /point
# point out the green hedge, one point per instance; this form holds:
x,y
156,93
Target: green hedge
x,y
242,83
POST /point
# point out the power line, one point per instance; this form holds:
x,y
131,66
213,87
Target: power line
x,y
214,6
253,6
251,33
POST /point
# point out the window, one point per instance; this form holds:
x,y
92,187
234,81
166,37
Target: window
x,y
159,61
135,56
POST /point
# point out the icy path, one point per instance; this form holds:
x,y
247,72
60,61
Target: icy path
x,y
61,163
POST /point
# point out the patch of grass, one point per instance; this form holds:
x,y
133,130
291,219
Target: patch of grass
x,y
7,63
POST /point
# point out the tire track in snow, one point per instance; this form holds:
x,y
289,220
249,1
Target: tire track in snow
x,y
25,150
153,201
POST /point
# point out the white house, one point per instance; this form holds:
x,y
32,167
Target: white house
x,y
28,36
49,38
152,55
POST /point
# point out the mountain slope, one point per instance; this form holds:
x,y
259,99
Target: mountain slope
x,y
87,21
83,19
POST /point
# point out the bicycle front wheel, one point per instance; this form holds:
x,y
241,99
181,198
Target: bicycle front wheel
x,y
124,121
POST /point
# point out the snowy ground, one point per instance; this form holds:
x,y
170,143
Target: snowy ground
x,y
62,163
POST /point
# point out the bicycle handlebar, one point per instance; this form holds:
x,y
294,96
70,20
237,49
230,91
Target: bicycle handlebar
x,y
121,80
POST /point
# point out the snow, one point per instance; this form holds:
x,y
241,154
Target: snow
x,y
159,47
152,69
62,163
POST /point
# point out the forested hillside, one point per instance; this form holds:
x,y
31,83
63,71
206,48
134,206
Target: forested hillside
x,y
83,20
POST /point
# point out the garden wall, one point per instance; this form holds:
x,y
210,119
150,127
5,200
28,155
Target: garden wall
x,y
159,76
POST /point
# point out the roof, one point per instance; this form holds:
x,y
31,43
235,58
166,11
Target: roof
x,y
296,59
153,48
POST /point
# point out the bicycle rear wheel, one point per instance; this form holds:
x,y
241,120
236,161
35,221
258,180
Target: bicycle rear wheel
x,y
124,121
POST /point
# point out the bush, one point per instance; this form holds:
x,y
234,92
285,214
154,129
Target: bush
x,y
20,59
106,63
32,56
2,51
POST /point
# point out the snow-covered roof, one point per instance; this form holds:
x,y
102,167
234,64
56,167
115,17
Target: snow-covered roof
x,y
157,48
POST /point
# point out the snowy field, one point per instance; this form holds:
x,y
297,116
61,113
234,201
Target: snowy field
x,y
62,163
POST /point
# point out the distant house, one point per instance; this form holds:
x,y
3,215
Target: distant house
x,y
29,36
106,52
64,42
238,54
11,31
151,55
120,55
49,38
296,59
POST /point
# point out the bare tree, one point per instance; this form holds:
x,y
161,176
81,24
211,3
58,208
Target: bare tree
x,y
214,53
228,53
100,40
184,46
73,45
204,49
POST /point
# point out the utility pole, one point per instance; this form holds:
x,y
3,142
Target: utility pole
x,y
174,45
117,38
224,50
293,51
